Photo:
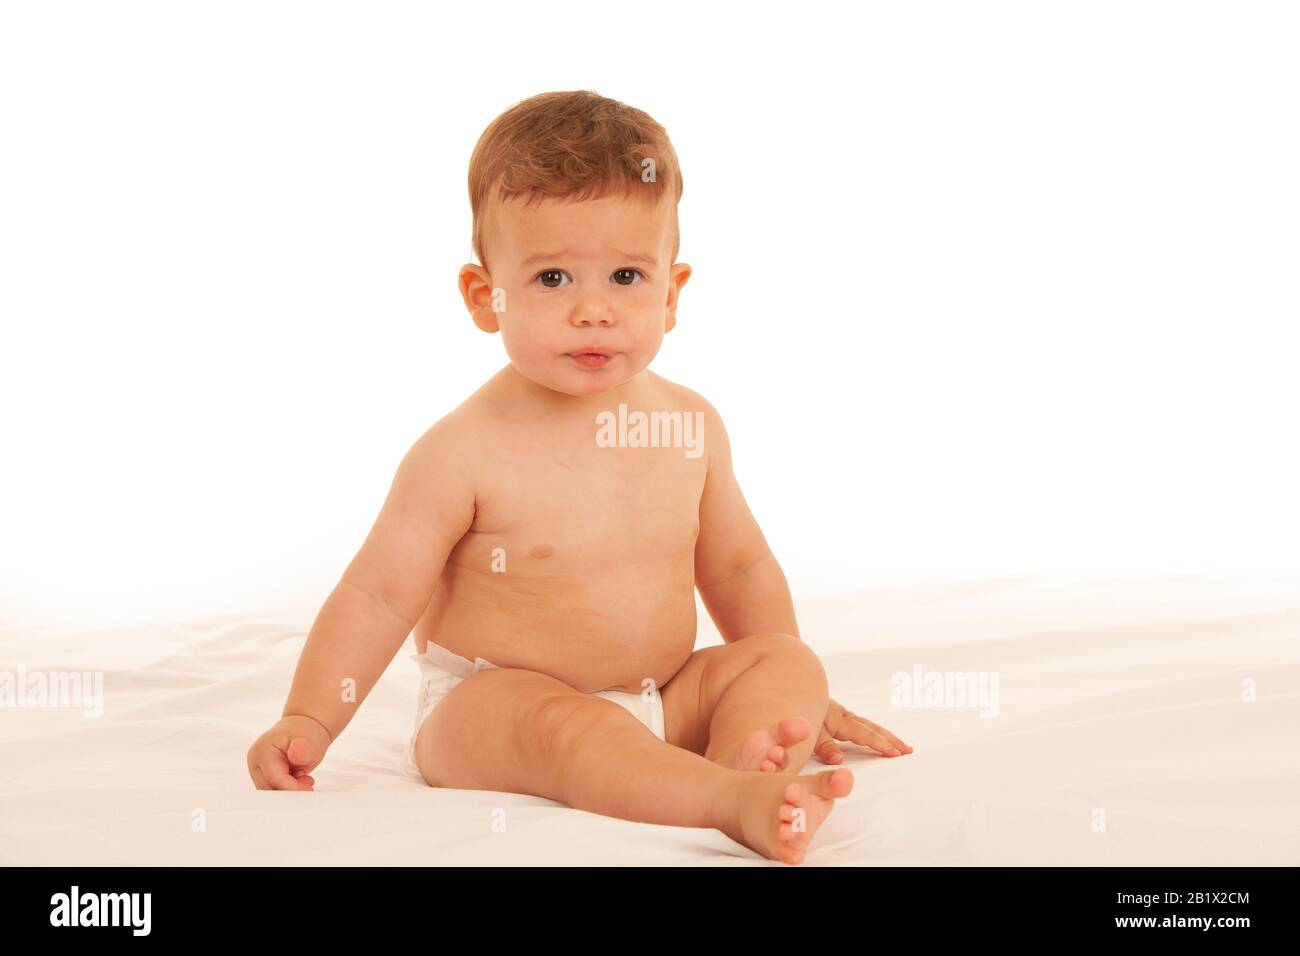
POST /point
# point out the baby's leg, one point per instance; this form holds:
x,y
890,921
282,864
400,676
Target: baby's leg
x,y
753,704
520,731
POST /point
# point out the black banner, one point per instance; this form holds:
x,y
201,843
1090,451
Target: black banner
x,y
131,906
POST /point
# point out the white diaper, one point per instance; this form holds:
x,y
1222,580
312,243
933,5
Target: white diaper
x,y
441,670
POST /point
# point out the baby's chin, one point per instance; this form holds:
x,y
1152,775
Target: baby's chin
x,y
578,382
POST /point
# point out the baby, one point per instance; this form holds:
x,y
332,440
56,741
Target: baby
x,y
544,540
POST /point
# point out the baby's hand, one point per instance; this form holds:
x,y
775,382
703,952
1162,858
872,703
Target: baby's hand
x,y
842,724
281,758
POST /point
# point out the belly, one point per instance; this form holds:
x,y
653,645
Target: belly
x,y
604,630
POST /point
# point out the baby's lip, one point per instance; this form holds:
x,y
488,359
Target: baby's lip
x,y
591,351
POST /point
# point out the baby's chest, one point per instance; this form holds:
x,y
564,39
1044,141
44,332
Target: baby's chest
x,y
591,511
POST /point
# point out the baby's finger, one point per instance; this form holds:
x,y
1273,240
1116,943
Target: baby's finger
x,y
826,749
304,777
864,732
275,768
301,755
892,738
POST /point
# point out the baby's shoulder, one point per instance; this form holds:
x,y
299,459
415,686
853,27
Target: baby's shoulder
x,y
449,438
678,397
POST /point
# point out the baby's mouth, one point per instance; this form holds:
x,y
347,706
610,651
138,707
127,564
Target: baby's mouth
x,y
592,359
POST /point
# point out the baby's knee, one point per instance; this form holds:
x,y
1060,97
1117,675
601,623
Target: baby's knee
x,y
557,723
771,643
496,730
790,651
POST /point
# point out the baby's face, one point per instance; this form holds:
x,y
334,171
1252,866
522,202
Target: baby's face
x,y
577,276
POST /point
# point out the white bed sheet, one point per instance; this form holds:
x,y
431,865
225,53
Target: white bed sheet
x,y
1117,696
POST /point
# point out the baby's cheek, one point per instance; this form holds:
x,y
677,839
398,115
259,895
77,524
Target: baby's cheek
x,y
644,354
530,355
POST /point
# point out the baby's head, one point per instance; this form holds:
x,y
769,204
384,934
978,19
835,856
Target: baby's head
x,y
574,199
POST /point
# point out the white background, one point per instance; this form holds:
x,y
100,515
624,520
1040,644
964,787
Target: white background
x,y
979,287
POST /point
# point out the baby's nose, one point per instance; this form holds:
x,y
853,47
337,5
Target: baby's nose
x,y
593,314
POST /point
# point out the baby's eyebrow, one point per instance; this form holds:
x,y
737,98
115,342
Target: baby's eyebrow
x,y
623,257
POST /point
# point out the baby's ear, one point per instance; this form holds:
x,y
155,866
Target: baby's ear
x,y
677,277
485,319
482,301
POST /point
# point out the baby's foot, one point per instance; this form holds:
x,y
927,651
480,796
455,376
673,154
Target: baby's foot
x,y
765,750
777,817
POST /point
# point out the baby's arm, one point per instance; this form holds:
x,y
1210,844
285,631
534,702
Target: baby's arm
x,y
739,579
746,592
374,607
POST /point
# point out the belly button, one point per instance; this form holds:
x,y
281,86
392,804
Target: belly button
x,y
542,551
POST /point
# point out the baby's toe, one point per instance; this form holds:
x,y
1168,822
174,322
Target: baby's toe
x,y
792,730
834,784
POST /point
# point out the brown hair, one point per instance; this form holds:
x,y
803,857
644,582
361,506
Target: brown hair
x,y
572,145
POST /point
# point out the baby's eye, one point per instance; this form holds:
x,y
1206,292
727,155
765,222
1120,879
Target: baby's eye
x,y
634,273
547,273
